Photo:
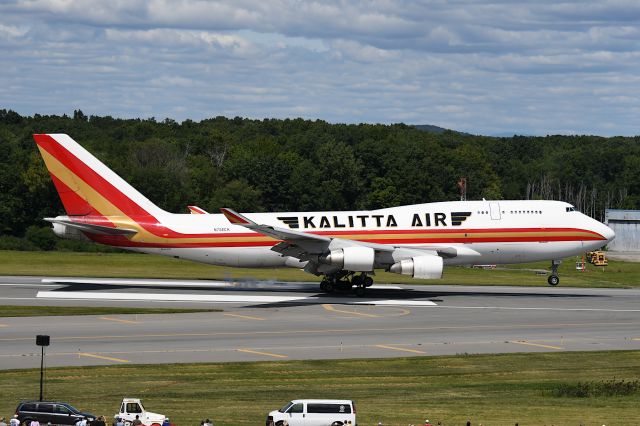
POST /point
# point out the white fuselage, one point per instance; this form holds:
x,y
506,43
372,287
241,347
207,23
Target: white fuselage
x,y
480,232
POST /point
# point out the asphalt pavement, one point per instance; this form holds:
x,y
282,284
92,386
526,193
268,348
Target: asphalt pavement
x,y
281,321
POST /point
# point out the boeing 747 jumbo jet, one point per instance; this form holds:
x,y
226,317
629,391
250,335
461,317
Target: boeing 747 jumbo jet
x,y
344,247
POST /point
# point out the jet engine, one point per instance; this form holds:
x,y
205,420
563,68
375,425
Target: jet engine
x,y
423,267
356,259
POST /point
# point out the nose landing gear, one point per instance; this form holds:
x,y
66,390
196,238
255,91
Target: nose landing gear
x,y
554,279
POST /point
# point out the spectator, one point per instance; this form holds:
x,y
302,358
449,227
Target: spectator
x,y
208,423
166,422
14,420
426,423
2,422
137,421
119,421
34,423
468,422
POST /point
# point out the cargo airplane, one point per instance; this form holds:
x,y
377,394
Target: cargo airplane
x,y
345,247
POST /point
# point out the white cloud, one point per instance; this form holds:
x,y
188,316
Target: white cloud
x,y
477,66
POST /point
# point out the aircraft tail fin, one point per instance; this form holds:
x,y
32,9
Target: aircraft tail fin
x,y
85,185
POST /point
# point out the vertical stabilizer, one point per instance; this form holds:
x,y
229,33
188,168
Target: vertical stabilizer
x,y
85,185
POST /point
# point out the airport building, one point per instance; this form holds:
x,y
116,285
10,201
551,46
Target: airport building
x,y
626,224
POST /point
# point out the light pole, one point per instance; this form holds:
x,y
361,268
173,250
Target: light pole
x,y
42,340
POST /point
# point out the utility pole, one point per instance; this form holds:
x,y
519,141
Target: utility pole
x,y
462,184
42,340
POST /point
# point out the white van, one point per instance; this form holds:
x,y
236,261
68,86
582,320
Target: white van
x,y
314,412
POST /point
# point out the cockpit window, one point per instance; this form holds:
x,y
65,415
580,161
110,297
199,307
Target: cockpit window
x,y
570,209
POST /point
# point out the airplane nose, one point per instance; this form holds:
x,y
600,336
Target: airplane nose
x,y
608,233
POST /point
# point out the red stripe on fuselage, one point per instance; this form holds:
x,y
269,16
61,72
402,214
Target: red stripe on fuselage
x,y
124,242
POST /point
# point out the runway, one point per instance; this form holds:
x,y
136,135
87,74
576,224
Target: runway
x,y
283,321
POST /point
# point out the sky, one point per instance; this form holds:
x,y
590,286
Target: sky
x,y
498,67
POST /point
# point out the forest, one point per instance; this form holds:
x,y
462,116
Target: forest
x,y
304,165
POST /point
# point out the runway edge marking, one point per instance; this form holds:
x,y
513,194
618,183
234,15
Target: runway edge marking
x,y
222,298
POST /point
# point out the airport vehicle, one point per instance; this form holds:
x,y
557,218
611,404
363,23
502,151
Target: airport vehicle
x,y
132,407
314,412
345,247
57,413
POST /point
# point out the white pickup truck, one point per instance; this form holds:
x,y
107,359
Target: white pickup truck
x,y
132,407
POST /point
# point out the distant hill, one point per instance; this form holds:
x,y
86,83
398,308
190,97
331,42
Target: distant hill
x,y
430,128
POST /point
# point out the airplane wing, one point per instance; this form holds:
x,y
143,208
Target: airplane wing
x,y
311,248
300,245
91,228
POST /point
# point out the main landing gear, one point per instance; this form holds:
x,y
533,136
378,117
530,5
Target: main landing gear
x,y
554,279
345,282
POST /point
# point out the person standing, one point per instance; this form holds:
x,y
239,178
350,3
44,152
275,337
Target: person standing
x,y
34,423
14,421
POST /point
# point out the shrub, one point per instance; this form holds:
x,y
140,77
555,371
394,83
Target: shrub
x,y
611,387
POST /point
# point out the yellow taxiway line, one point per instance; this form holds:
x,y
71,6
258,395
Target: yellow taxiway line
x,y
244,316
308,331
329,307
414,351
120,320
249,351
524,342
108,358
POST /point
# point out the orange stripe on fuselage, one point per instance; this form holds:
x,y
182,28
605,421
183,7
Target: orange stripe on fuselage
x,y
416,237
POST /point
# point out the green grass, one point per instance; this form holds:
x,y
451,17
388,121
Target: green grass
x,y
488,389
39,311
616,275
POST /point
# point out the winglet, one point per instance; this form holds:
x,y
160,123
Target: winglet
x,y
235,217
196,210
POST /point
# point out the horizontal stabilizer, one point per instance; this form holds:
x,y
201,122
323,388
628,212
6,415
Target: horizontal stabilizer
x,y
91,228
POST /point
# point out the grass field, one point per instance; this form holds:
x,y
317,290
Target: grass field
x,y
487,389
616,275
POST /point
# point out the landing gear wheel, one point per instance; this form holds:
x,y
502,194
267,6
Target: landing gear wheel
x,y
553,280
359,291
357,280
368,281
326,286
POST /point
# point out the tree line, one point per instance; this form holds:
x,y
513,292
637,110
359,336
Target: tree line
x,y
304,165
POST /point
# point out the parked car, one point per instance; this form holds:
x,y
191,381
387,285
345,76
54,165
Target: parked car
x,y
132,407
58,413
314,412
